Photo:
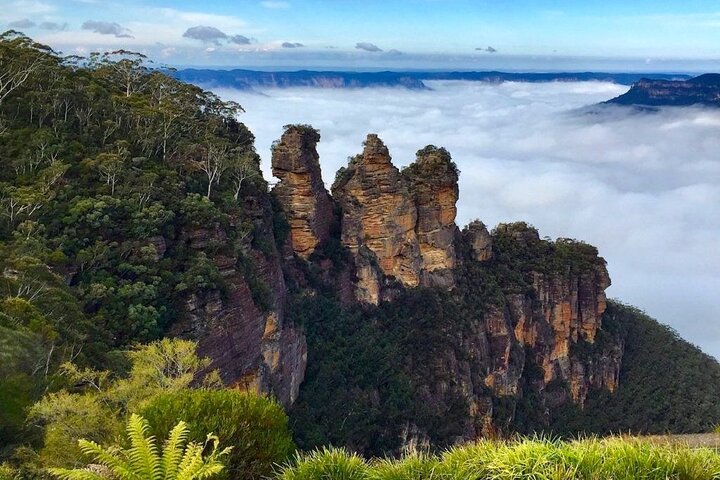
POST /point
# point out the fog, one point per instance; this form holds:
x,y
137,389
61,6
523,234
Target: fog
x,y
643,187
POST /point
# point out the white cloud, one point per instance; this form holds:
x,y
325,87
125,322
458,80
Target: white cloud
x,y
644,188
190,18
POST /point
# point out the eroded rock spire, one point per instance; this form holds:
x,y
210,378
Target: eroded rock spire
x,y
301,192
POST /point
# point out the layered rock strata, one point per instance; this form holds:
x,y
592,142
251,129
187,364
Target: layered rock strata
x,y
301,193
433,179
398,230
400,226
242,328
379,218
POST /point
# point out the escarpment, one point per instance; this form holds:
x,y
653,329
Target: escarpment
x,y
531,320
514,324
240,321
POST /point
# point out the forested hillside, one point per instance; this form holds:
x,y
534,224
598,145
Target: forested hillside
x,y
105,163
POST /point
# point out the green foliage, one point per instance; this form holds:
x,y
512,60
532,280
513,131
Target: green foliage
x,y
335,464
94,405
371,373
101,203
374,372
436,165
256,426
538,459
666,384
143,459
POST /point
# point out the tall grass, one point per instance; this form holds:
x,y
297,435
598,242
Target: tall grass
x,y
529,459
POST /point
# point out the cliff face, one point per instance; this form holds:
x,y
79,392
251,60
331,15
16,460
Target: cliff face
x,y
527,319
400,226
242,326
433,180
301,192
702,90
378,222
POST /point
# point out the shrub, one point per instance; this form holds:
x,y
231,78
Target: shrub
x,y
256,427
144,460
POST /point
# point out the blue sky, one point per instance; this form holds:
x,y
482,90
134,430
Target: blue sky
x,y
414,33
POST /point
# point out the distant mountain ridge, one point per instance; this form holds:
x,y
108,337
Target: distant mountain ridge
x,y
647,92
252,79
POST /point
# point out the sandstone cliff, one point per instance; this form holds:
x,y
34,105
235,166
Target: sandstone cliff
x,y
530,320
379,218
519,317
301,193
433,179
241,326
400,226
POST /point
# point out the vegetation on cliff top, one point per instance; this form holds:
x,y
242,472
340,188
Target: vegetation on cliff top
x,y
540,459
109,168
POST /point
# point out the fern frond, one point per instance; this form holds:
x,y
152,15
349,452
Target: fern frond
x,y
208,470
142,460
68,474
173,453
143,451
112,458
192,460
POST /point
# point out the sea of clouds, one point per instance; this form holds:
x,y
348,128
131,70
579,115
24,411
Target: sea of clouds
x,y
643,187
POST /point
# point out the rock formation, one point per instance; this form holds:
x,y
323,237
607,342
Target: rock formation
x,y
400,226
301,192
379,218
433,181
562,312
702,90
243,331
539,331
477,236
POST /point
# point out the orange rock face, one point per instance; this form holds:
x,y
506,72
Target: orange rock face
x,y
564,311
540,331
433,179
301,192
405,220
378,214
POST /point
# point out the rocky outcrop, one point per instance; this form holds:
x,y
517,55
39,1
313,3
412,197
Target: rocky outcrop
x,y
477,236
301,192
242,327
433,180
400,226
379,218
534,325
562,312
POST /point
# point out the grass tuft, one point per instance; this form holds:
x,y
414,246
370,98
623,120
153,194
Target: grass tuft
x,y
614,458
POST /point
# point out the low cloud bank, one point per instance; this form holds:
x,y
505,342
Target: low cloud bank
x,y
644,188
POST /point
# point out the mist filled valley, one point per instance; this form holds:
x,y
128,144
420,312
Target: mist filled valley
x,y
546,153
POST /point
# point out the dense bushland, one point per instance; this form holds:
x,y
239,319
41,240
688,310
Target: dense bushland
x,y
667,385
255,427
106,164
